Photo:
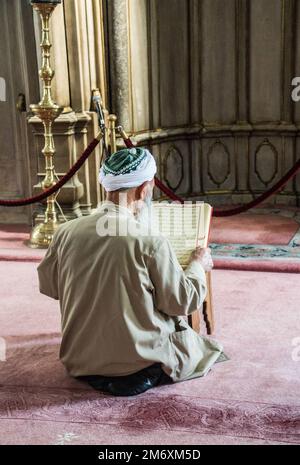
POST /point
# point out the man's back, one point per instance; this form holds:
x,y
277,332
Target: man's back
x,y
121,289
121,297
106,299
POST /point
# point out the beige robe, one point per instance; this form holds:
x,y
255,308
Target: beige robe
x,y
123,299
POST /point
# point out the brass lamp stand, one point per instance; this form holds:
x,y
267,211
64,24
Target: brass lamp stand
x,y
47,110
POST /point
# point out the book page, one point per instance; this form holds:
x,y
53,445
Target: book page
x,y
185,225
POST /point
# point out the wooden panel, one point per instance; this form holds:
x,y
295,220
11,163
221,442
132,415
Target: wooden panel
x,y
175,165
290,157
195,62
218,163
241,142
297,179
242,60
196,161
265,60
218,61
173,50
296,50
288,12
265,162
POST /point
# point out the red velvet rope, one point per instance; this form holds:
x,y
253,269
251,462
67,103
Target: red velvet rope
x,y
236,210
58,185
216,212
254,203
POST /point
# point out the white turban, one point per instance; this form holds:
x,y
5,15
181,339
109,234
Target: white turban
x,y
127,168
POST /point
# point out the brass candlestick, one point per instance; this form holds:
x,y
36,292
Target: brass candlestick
x,y
47,110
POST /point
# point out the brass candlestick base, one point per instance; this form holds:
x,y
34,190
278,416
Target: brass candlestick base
x,y
42,234
47,110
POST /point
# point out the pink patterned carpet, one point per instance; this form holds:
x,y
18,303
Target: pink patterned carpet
x,y
262,240
251,399
254,229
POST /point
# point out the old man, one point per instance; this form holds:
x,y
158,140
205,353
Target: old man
x,y
122,293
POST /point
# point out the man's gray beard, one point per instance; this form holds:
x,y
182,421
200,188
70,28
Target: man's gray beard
x,y
144,215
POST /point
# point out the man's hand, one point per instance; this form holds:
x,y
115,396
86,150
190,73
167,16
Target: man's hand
x,y
203,256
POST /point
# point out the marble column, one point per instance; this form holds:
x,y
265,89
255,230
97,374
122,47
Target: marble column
x,y
119,60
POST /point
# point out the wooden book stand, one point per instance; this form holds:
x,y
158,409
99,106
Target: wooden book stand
x,y
194,319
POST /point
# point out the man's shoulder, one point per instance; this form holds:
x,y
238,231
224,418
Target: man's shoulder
x,y
64,227
76,224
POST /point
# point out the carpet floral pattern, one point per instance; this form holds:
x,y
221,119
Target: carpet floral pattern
x,y
242,251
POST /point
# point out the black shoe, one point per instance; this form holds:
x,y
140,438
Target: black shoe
x,y
130,385
137,383
98,382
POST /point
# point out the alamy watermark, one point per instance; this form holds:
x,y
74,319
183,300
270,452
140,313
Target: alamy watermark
x,y
182,220
2,350
296,350
296,91
2,90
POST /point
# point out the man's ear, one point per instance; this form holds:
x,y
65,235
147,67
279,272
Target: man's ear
x,y
142,190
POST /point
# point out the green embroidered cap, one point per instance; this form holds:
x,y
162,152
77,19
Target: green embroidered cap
x,y
124,161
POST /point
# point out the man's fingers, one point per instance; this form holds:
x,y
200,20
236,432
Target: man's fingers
x,y
202,250
203,255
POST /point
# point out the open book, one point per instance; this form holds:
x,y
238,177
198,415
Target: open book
x,y
185,225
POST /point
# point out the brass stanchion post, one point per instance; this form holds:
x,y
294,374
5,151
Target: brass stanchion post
x,y
112,132
47,110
